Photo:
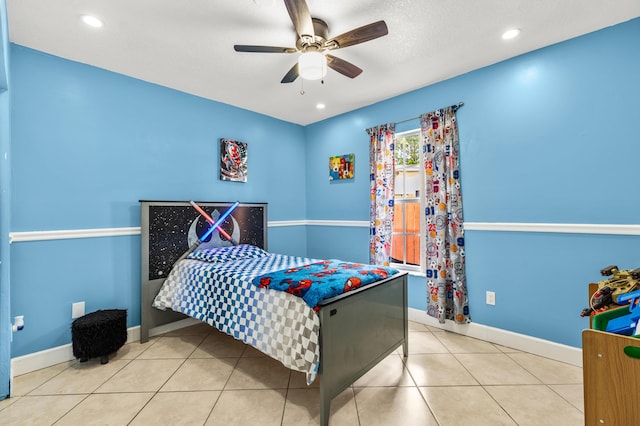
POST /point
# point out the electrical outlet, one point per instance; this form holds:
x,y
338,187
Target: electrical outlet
x,y
491,298
77,310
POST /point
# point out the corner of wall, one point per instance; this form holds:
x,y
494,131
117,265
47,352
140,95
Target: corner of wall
x,y
5,199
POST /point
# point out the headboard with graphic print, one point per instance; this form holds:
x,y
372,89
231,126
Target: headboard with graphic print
x,y
169,228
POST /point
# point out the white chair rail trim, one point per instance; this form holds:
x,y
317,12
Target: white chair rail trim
x,y
569,228
15,237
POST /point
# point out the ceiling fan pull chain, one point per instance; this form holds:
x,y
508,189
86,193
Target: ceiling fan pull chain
x,y
302,86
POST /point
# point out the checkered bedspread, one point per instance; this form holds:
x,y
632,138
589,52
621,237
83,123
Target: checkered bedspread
x,y
221,294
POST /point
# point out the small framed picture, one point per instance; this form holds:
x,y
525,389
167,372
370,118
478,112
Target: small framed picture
x,y
341,167
233,160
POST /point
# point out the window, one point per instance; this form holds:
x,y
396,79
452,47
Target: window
x,y
407,222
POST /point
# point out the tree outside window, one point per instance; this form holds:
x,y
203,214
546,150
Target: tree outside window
x,y
405,248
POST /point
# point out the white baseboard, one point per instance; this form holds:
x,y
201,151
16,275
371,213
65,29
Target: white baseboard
x,y
38,360
49,357
43,359
522,342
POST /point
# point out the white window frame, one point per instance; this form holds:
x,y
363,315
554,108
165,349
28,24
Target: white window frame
x,y
421,269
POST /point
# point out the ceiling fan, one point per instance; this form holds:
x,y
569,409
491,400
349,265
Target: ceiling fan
x,y
313,43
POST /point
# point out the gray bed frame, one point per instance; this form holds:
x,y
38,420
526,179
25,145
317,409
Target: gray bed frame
x,y
357,329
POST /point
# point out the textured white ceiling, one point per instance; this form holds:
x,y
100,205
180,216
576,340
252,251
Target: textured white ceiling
x,y
188,45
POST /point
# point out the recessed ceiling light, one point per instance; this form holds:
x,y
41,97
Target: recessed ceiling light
x,y
320,106
92,21
509,34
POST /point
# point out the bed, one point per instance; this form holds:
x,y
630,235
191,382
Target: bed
x,y
338,341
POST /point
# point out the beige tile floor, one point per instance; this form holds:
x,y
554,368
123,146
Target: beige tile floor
x,y
198,376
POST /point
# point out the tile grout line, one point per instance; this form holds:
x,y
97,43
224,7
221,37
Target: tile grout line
x,y
137,358
86,395
355,402
548,385
156,392
480,384
423,396
287,392
226,381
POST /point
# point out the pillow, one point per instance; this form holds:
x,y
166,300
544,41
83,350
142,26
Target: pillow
x,y
225,254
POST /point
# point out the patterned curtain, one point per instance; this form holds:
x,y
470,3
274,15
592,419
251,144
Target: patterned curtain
x,y
381,160
446,281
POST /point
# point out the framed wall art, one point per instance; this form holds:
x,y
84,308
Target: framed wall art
x,y
341,167
233,160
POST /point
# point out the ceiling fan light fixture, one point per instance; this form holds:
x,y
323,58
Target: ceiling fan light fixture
x,y
312,65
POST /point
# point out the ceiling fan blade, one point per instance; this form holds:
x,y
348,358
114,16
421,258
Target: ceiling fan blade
x,y
301,18
263,49
342,66
291,76
359,35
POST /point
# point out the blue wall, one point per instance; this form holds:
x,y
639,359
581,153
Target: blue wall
x,y
87,145
546,137
5,198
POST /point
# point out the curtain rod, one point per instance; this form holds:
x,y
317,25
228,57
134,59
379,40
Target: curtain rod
x,y
459,104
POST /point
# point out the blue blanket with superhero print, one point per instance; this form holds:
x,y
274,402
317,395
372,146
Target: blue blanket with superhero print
x,y
322,280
